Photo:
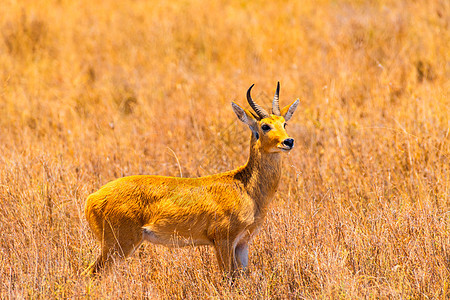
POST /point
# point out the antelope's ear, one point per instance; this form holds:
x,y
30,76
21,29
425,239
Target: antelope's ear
x,y
289,110
245,116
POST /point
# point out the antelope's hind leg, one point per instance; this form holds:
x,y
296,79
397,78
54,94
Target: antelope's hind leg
x,y
117,243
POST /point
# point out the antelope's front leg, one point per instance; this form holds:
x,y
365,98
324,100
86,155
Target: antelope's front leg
x,y
241,254
225,256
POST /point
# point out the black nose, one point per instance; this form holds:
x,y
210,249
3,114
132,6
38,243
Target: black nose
x,y
289,143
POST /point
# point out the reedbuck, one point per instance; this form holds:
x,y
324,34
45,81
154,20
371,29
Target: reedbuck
x,y
222,210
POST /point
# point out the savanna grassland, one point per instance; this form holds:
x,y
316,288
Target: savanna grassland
x,y
95,90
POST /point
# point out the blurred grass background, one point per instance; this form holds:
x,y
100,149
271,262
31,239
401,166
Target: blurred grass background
x,y
92,91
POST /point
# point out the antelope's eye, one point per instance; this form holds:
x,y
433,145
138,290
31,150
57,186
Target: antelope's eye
x,y
265,127
284,125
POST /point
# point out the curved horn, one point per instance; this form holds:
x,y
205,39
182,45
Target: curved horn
x,y
275,103
262,113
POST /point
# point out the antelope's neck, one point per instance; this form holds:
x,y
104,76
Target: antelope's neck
x,y
261,175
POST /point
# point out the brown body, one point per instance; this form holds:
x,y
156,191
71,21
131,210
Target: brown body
x,y
222,210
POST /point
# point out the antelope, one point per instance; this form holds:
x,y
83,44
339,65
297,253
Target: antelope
x,y
223,210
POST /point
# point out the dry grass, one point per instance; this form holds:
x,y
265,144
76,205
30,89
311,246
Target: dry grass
x,y
94,90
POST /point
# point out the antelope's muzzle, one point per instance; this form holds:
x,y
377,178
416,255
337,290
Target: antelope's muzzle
x,y
289,143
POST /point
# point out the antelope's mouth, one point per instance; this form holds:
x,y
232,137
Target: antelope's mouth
x,y
284,148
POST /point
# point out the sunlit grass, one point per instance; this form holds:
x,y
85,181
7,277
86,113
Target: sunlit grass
x,y
94,91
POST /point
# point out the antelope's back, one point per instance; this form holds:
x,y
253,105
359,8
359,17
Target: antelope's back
x,y
174,202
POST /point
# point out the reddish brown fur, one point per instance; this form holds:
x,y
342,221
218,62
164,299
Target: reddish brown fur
x,y
223,210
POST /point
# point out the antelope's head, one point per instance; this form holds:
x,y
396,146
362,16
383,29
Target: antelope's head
x,y
268,129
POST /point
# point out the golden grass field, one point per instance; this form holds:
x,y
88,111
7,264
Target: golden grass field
x,y
95,90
